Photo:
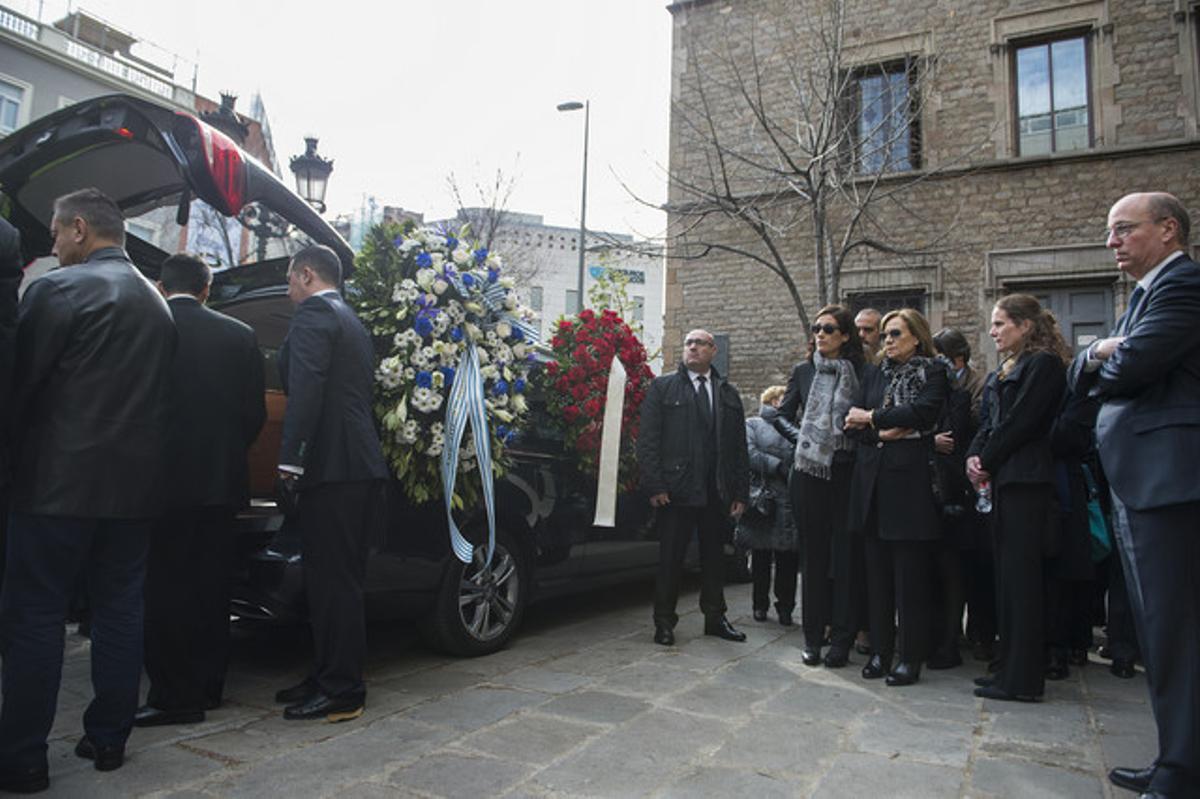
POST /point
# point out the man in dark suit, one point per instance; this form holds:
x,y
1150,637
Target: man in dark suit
x,y
1147,375
94,347
10,279
693,463
218,406
330,455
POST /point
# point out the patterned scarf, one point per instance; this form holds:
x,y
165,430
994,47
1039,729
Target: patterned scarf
x,y
832,394
904,381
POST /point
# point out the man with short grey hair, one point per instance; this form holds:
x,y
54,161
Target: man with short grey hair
x,y
1147,377
94,346
867,322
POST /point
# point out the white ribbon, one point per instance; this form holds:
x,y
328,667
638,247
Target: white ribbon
x,y
464,404
610,447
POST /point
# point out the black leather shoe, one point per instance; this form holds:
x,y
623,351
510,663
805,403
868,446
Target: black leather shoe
x,y
985,682
721,628
664,635
1132,779
992,692
811,656
1123,668
785,618
25,780
760,615
904,674
942,660
107,757
1104,651
837,657
1057,668
328,708
297,693
148,716
876,667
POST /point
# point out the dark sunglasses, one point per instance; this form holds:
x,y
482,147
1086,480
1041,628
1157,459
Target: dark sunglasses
x,y
828,330
893,333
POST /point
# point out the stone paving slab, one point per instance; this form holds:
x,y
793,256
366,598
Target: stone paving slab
x,y
583,703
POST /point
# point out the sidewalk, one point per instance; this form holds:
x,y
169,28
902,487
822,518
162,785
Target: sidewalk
x,y
584,704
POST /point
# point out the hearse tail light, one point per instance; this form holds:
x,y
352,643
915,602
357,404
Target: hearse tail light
x,y
225,166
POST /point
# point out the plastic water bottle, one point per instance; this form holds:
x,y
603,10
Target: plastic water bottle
x,y
983,497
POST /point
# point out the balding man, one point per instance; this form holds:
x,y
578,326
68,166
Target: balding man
x,y
867,322
693,464
1147,376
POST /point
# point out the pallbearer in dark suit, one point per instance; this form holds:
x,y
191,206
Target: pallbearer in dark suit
x,y
692,461
94,346
330,454
217,408
1147,377
10,279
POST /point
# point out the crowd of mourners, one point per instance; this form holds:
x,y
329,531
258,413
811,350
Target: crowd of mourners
x,y
930,509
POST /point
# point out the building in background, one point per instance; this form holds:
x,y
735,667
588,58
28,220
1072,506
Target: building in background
x,y
1023,121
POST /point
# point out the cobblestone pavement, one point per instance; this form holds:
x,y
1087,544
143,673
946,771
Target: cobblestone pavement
x,y
582,703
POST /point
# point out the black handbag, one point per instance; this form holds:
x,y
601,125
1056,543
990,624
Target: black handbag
x,y
762,499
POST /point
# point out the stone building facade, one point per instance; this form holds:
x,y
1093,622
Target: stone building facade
x,y
1036,116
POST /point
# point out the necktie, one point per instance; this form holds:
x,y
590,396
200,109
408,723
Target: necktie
x,y
1135,299
702,399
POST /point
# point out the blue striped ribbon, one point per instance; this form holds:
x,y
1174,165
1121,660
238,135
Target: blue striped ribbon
x,y
465,404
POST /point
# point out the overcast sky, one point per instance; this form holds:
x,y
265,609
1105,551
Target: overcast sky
x,y
401,94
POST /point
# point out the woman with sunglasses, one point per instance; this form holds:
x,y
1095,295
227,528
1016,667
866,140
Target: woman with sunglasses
x,y
893,500
1011,454
819,393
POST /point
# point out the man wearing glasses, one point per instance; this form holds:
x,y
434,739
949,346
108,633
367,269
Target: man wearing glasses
x,y
1147,375
693,464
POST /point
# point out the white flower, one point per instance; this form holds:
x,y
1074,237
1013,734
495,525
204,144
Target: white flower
x,y
507,282
409,374
418,359
510,303
425,278
520,351
503,329
489,372
440,286
518,403
473,331
463,256
409,244
491,338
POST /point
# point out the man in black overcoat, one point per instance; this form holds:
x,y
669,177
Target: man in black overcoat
x,y
94,347
217,407
10,279
693,464
330,455
1147,376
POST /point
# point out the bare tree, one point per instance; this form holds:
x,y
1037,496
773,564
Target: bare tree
x,y
792,134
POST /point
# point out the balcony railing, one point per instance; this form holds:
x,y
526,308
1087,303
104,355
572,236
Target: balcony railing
x,y
22,26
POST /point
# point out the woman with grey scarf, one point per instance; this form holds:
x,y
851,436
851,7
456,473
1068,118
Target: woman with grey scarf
x,y
820,392
894,501
772,538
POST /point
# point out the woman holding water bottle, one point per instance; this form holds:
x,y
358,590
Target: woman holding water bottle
x,y
1011,467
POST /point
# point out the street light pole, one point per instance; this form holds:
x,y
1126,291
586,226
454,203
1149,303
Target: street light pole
x,y
586,106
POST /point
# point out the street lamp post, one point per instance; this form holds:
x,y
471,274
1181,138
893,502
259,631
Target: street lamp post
x,y
586,106
312,174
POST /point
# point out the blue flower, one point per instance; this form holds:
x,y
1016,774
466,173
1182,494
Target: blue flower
x,y
448,373
423,326
500,388
505,433
424,379
396,242
468,279
519,385
456,334
481,255
451,242
424,259
493,275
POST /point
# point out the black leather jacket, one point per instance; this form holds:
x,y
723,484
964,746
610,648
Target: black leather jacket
x,y
94,348
669,441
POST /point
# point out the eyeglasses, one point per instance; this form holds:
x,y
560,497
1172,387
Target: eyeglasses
x,y
1123,229
828,330
698,342
895,332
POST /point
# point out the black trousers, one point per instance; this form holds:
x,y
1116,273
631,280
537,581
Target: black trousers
x,y
831,585
1068,614
1019,529
899,586
949,597
46,556
979,575
1160,550
787,564
676,525
1122,633
187,608
334,524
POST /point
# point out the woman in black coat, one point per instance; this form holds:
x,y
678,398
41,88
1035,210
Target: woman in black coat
x,y
771,540
820,392
1011,458
893,497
